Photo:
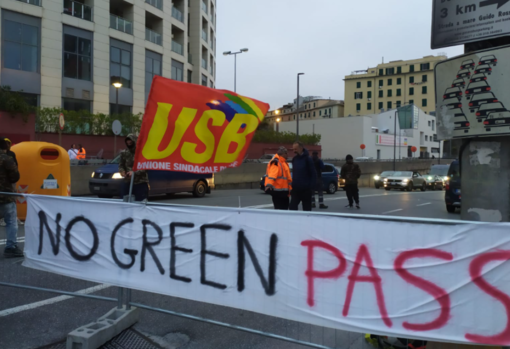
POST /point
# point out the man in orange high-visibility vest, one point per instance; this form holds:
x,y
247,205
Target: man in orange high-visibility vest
x,y
82,154
278,180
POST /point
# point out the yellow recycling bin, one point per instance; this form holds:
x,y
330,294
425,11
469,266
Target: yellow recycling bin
x,y
44,169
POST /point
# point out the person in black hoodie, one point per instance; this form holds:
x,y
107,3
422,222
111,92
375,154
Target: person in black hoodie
x,y
351,173
304,178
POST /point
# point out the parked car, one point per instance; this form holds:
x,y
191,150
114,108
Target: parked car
x,y
107,182
482,98
467,64
490,59
477,87
478,77
379,179
498,119
458,83
452,195
440,170
405,180
434,181
487,108
484,68
452,92
331,180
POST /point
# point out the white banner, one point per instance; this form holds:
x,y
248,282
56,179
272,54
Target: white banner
x,y
437,281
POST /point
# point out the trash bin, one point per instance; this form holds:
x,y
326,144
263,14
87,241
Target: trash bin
x,y
44,169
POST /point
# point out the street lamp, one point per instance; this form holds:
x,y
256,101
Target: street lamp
x,y
278,125
230,53
117,86
297,107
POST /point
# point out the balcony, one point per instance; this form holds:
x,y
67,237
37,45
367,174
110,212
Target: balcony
x,y
177,14
121,24
177,48
32,2
204,7
77,9
211,70
156,3
152,36
204,35
212,18
190,58
212,44
204,64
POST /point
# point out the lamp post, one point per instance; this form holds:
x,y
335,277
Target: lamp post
x,y
297,107
230,53
278,125
117,86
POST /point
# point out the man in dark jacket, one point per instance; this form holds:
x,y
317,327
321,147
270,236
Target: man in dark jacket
x,y
319,166
351,172
8,175
9,151
141,180
304,178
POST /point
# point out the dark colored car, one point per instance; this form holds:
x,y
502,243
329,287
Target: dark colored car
x,y
481,98
434,182
484,68
463,73
452,92
487,108
379,179
497,120
106,182
490,60
478,77
331,180
440,170
467,64
458,83
452,195
477,87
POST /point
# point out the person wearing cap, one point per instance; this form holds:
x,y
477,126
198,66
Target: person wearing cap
x,y
8,176
9,151
278,180
351,173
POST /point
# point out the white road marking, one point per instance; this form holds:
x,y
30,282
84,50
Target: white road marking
x,y
425,204
400,209
53,300
4,241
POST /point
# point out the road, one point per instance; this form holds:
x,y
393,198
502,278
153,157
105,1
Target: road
x,y
31,319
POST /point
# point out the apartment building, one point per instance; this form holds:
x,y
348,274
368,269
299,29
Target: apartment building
x,y
391,85
311,108
65,53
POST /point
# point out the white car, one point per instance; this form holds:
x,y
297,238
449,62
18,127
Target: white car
x,y
405,180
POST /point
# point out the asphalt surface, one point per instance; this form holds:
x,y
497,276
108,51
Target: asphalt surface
x,y
32,319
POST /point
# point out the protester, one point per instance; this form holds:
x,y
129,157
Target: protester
x,y
278,180
82,154
9,151
319,166
351,172
141,181
73,152
8,175
304,178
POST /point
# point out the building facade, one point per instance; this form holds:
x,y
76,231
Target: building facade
x,y
310,108
65,53
391,85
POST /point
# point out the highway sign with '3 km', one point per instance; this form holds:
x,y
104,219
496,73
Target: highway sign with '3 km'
x,y
472,98
456,22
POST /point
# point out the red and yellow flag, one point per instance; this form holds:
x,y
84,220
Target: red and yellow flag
x,y
192,128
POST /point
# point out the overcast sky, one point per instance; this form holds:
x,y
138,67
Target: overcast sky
x,y
325,39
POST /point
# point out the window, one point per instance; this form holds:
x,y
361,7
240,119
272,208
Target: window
x,y
178,71
20,46
381,83
327,169
424,102
381,105
329,111
425,66
434,128
358,85
381,72
390,82
204,80
426,137
399,81
424,78
313,114
190,76
358,107
369,106
399,92
122,109
358,95
390,93
424,90
320,112
120,66
314,105
399,70
381,93
411,91
411,68
369,83
152,68
411,101
77,57
388,105
71,104
369,94
430,123
411,79
399,103
390,71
